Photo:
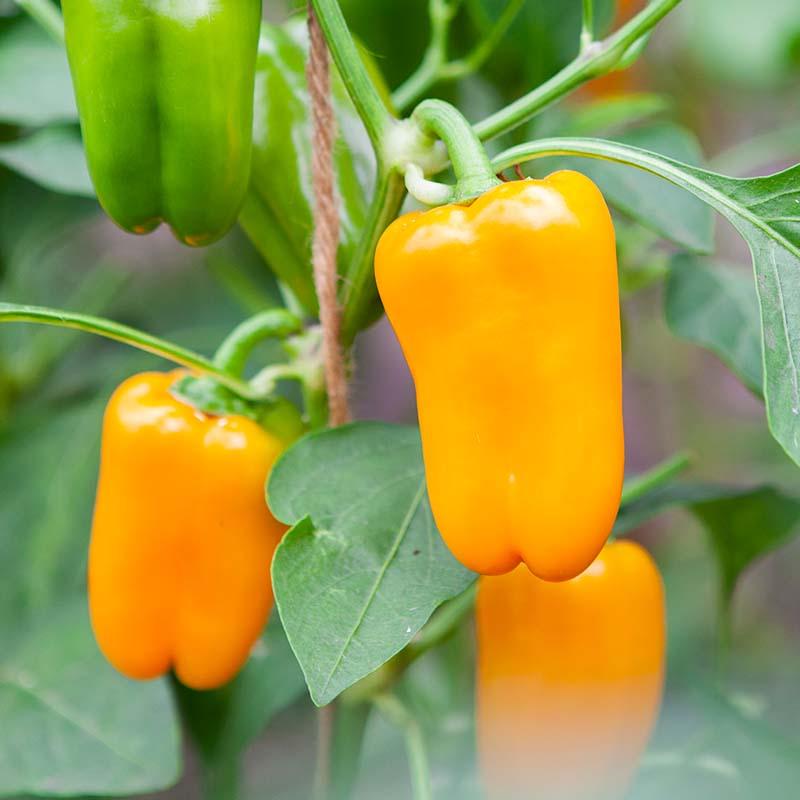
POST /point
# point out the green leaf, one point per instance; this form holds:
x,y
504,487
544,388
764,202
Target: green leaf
x,y
72,725
225,721
662,208
53,158
766,212
35,84
277,214
716,306
745,526
363,567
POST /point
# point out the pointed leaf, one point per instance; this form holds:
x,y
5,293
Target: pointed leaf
x,y
364,566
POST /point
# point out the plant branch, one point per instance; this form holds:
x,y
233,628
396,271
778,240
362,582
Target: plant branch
x,y
477,57
435,66
587,25
359,287
365,96
642,484
391,707
130,336
46,14
601,57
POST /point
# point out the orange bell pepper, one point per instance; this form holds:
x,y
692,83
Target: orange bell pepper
x,y
507,311
182,539
569,677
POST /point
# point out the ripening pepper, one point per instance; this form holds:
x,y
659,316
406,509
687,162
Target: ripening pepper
x,y
182,539
165,95
569,678
507,311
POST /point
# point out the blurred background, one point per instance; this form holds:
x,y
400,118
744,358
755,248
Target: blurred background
x,y
719,85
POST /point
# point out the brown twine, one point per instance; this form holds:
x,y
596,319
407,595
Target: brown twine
x,y
326,222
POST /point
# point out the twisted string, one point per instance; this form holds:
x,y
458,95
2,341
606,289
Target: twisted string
x,y
326,222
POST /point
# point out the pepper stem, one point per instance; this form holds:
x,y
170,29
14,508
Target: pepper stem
x,y
474,173
275,323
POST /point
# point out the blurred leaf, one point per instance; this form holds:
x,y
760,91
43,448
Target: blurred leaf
x,y
51,460
35,84
725,755
665,209
53,158
610,114
744,527
741,41
72,725
364,566
277,215
716,306
224,722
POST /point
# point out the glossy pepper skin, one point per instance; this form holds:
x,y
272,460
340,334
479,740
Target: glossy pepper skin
x,y
182,539
165,95
569,678
507,311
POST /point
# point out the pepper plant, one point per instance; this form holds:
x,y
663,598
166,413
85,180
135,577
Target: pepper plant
x,y
290,156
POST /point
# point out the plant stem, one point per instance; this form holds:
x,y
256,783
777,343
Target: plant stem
x,y
221,779
434,66
46,14
359,85
587,25
475,59
10,312
598,59
275,323
473,170
349,725
440,14
391,707
642,484
359,287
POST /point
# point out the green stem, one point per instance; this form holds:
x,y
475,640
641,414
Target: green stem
x,y
46,14
391,707
358,285
275,323
440,14
587,26
10,312
349,725
471,165
601,57
435,67
363,92
221,779
475,59
642,484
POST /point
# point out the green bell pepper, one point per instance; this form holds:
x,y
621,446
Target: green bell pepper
x,y
165,95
